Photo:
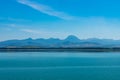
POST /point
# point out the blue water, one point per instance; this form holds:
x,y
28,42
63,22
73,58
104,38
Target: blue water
x,y
59,66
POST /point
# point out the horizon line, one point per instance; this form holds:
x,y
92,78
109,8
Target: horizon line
x,y
61,38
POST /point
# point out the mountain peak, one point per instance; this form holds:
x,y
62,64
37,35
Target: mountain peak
x,y
72,38
29,39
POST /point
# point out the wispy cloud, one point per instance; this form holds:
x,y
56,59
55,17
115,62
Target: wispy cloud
x,y
13,19
46,9
34,31
31,31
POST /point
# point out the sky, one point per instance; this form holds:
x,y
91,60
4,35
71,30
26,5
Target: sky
x,y
20,19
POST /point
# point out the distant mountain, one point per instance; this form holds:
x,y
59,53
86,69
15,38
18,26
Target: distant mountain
x,y
69,42
72,38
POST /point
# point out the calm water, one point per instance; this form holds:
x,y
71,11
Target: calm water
x,y
59,66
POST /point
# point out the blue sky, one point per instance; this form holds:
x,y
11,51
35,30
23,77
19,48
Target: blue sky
x,y
20,19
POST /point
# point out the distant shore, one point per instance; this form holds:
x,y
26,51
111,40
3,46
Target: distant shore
x,y
59,49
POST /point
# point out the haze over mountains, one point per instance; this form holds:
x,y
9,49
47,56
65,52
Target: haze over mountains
x,y
69,42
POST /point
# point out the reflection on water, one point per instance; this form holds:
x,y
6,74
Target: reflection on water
x,y
59,66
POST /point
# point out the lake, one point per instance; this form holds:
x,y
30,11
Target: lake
x,y
60,66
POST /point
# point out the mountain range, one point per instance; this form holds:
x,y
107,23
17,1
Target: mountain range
x,y
70,42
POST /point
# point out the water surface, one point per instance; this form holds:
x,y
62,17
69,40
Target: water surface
x,y
59,66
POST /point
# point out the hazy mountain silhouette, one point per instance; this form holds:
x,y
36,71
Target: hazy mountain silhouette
x,y
72,38
69,42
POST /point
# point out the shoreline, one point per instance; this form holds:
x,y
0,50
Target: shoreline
x,y
59,49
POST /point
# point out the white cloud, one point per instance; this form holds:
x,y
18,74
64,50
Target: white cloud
x,y
10,19
46,9
31,31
